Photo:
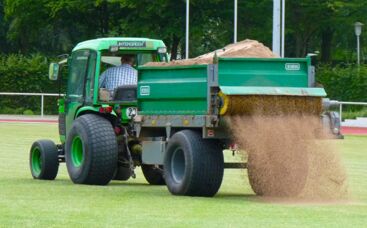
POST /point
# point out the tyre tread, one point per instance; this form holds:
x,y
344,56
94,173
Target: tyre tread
x,y
50,161
103,149
206,158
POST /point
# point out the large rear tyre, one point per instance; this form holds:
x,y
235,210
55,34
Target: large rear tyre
x,y
91,151
43,160
153,174
277,176
193,166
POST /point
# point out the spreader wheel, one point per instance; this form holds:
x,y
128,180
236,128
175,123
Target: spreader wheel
x,y
43,160
153,174
91,151
193,166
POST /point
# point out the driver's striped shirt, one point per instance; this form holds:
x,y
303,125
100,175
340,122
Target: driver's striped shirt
x,y
117,76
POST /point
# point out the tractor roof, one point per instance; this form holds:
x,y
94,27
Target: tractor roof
x,y
105,43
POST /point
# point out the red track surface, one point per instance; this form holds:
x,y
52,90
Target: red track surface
x,y
27,121
354,130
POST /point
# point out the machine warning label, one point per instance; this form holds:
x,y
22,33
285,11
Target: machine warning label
x,y
144,90
131,112
292,66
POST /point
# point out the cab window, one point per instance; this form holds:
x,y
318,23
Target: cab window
x,y
89,82
109,60
77,73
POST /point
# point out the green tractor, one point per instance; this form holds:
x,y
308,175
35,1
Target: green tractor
x,y
96,131
171,123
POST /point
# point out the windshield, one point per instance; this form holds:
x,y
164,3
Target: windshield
x,y
140,59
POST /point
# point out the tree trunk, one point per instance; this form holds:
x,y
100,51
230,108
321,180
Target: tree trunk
x,y
174,47
299,45
326,44
104,18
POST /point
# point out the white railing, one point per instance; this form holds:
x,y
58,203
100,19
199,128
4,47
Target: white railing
x,y
42,95
341,103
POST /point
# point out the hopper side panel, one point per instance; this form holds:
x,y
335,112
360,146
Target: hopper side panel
x,y
172,91
263,72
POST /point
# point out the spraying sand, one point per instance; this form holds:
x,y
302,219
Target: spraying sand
x,y
286,157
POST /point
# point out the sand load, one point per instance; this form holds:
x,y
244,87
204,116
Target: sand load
x,y
244,49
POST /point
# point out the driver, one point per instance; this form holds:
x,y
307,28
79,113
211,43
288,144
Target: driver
x,y
125,74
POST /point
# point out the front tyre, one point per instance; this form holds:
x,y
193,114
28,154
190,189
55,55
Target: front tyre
x,y
43,160
193,166
91,151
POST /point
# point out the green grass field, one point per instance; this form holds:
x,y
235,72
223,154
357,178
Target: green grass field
x,y
28,202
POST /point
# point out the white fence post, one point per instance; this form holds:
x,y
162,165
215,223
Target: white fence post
x,y
42,101
340,112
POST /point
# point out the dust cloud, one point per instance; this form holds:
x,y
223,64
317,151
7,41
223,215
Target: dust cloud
x,y
290,156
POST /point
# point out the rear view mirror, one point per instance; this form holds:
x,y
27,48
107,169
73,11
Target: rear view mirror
x,y
53,71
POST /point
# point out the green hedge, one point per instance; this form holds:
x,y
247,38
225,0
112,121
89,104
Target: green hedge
x,y
20,73
344,83
353,114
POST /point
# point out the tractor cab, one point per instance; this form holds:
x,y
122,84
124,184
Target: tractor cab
x,y
113,57
89,59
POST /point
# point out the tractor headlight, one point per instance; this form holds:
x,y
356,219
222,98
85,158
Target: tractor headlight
x,y
114,48
162,50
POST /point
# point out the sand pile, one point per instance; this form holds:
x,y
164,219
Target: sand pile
x,y
246,48
286,157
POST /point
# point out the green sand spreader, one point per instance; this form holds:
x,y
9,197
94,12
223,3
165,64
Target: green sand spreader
x,y
172,123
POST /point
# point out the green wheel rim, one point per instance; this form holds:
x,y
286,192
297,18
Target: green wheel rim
x,y
77,152
36,161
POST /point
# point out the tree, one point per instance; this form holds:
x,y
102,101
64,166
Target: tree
x,y
55,26
313,24
3,29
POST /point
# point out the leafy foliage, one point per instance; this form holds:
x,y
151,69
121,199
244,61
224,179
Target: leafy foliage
x,y
344,83
55,26
19,73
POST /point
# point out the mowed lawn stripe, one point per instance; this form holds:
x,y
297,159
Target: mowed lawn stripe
x,y
28,202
